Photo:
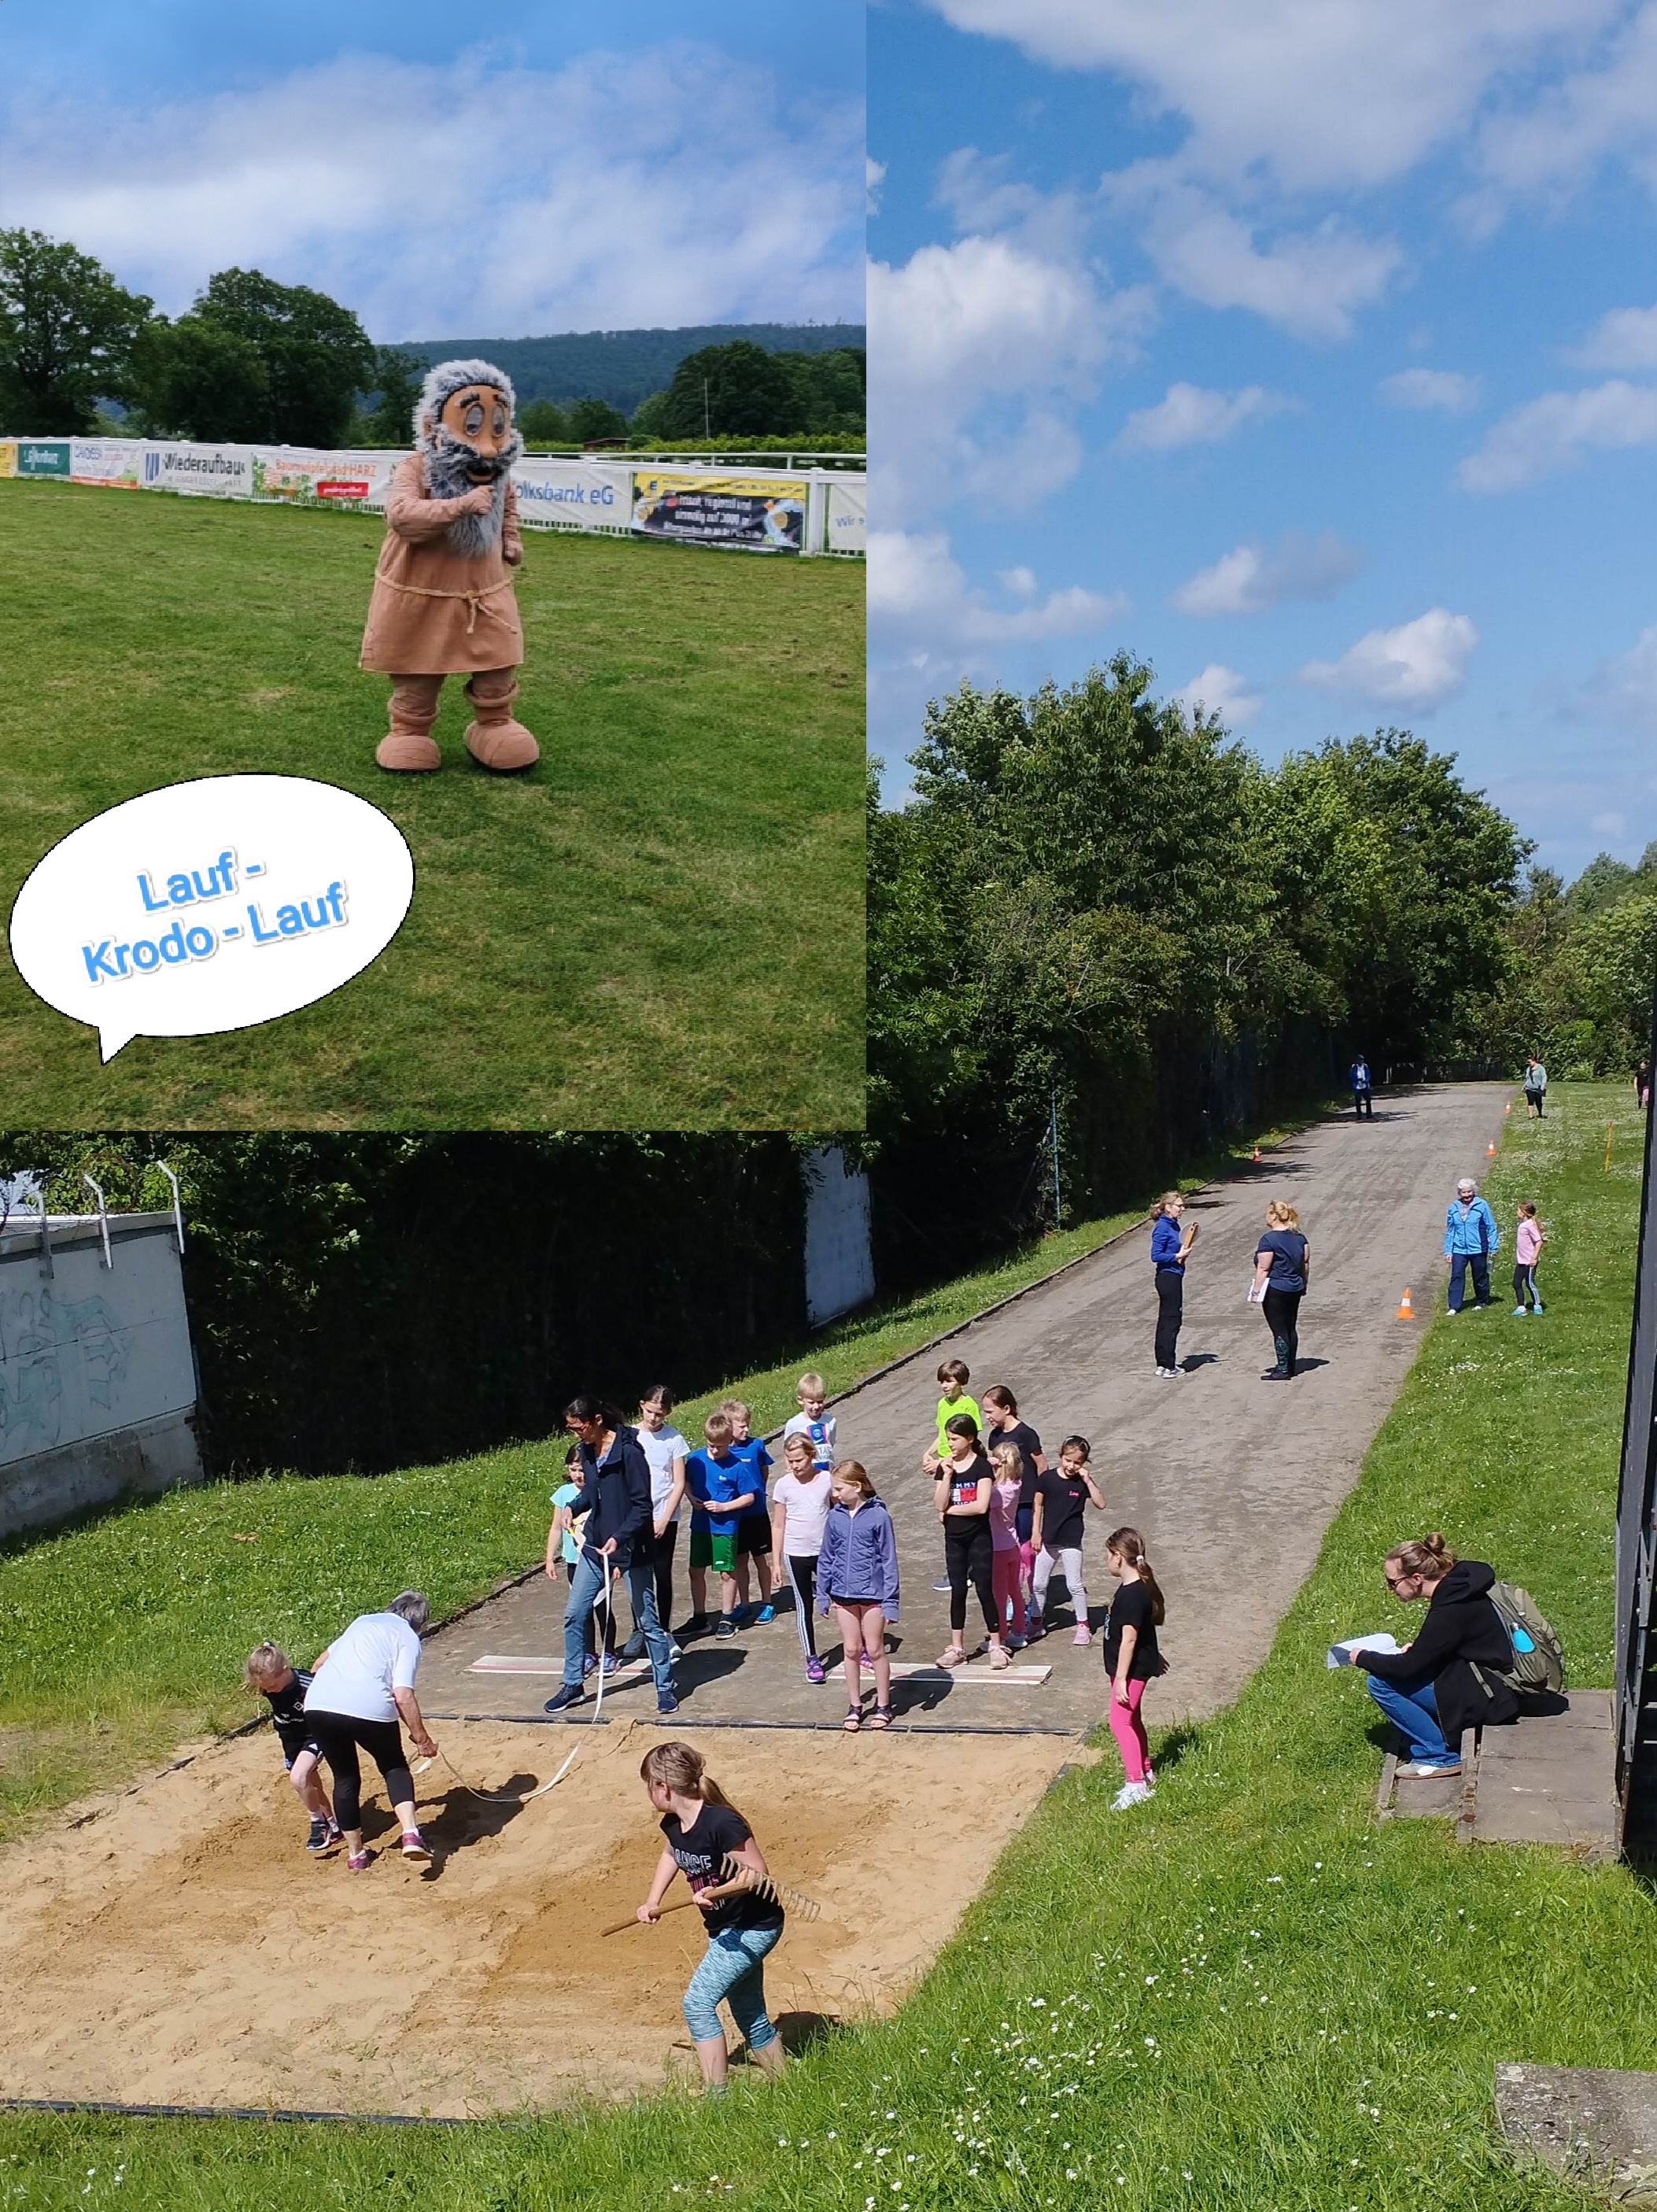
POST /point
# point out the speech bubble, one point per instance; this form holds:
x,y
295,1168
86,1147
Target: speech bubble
x,y
215,904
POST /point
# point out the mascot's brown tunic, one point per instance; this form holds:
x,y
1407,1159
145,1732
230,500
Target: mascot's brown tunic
x,y
434,611
443,602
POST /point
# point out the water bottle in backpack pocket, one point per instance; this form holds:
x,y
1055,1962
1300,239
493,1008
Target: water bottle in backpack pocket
x,y
1538,1656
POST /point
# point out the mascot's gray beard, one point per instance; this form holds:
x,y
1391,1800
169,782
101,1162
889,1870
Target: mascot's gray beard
x,y
447,459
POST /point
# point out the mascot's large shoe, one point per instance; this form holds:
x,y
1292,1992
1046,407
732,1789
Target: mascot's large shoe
x,y
494,740
409,746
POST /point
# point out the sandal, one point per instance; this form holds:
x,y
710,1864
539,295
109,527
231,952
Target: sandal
x,y
881,1718
952,1655
852,1722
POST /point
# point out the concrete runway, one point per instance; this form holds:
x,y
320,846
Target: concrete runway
x,y
1231,1480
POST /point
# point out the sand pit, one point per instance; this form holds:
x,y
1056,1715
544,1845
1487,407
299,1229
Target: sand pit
x,y
182,1948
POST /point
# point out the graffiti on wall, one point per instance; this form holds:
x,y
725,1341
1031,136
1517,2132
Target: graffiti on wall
x,y
41,1336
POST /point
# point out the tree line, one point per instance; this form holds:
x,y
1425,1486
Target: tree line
x,y
255,361
1100,913
361,1301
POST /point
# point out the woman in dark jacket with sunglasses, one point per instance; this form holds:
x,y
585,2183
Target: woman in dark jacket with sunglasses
x,y
1453,1676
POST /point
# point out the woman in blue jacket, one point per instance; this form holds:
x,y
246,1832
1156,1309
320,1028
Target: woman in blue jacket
x,y
857,1574
1471,1238
1170,1251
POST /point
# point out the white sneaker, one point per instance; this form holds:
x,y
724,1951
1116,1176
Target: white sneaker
x,y
1131,1793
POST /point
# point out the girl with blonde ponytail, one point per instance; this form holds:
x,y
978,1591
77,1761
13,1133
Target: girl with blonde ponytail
x,y
1131,1659
709,1841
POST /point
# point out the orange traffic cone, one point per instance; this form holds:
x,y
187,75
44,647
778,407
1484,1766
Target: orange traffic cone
x,y
1406,1311
1507,1110
1256,1155
1489,1152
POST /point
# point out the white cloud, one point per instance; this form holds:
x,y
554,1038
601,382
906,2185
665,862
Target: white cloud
x,y
1252,577
1186,414
983,352
1606,109
1419,665
874,176
1625,687
1625,339
1020,581
1443,391
1220,691
1556,431
1310,283
1609,825
921,604
1315,94
666,185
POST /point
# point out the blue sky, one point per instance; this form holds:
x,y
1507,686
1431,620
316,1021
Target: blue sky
x,y
1307,349
530,167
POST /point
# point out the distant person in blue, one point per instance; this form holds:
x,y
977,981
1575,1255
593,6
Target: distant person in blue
x,y
1358,1083
1470,1237
1283,1268
1170,1251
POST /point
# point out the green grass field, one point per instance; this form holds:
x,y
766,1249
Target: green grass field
x,y
660,926
1244,1996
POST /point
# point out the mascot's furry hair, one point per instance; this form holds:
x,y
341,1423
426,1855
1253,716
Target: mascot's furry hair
x,y
453,467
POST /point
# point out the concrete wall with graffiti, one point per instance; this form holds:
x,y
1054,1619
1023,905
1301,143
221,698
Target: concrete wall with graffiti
x,y
97,1378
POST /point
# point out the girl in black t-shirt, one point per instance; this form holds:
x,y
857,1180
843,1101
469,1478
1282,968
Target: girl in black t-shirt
x,y
1132,1658
282,1686
709,1841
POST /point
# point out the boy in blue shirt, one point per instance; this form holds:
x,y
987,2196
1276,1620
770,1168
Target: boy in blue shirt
x,y
716,1478
753,1529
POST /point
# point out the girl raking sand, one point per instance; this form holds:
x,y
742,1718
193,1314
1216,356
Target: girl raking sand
x,y
709,1841
1131,1659
857,1575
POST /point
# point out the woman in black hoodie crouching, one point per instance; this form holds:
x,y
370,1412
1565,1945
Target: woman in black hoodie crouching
x,y
1453,1676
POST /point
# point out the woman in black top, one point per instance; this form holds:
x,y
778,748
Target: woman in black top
x,y
1453,1676
1283,1268
1131,1659
961,1483
709,1841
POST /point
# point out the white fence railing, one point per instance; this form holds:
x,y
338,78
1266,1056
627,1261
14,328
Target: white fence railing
x,y
695,501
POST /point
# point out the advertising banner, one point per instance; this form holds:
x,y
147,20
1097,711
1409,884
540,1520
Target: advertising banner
x,y
43,457
8,457
766,512
580,494
848,514
313,479
218,471
116,461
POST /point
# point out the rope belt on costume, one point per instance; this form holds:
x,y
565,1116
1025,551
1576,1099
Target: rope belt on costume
x,y
473,599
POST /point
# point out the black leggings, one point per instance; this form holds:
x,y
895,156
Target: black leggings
x,y
803,1573
658,1550
1282,1318
1170,1311
338,1735
968,1554
1524,1286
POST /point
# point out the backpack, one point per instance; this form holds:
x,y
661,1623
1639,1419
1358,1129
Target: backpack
x,y
1538,1656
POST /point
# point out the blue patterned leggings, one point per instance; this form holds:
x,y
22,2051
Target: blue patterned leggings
x,y
732,1967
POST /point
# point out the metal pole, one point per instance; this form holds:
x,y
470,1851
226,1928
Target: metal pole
x,y
1057,1202
177,1211
103,1217
1636,1715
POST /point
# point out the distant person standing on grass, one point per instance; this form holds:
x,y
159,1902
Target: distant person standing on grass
x,y
1283,1268
1170,1251
1536,1086
1642,1085
1470,1237
1361,1089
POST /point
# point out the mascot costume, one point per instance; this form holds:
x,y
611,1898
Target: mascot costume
x,y
443,602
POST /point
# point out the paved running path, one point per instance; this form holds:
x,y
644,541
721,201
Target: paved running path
x,y
1232,1481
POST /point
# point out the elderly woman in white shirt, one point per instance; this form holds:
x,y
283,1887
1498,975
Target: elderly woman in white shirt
x,y
362,1687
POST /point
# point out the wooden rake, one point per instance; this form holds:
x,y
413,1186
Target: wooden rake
x,y
758,1885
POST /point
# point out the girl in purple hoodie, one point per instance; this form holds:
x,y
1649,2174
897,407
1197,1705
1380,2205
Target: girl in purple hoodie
x,y
857,1574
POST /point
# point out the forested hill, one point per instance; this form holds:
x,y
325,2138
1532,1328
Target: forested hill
x,y
625,367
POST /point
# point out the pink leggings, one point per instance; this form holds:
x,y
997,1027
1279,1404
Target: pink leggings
x,y
1005,1575
1129,1730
